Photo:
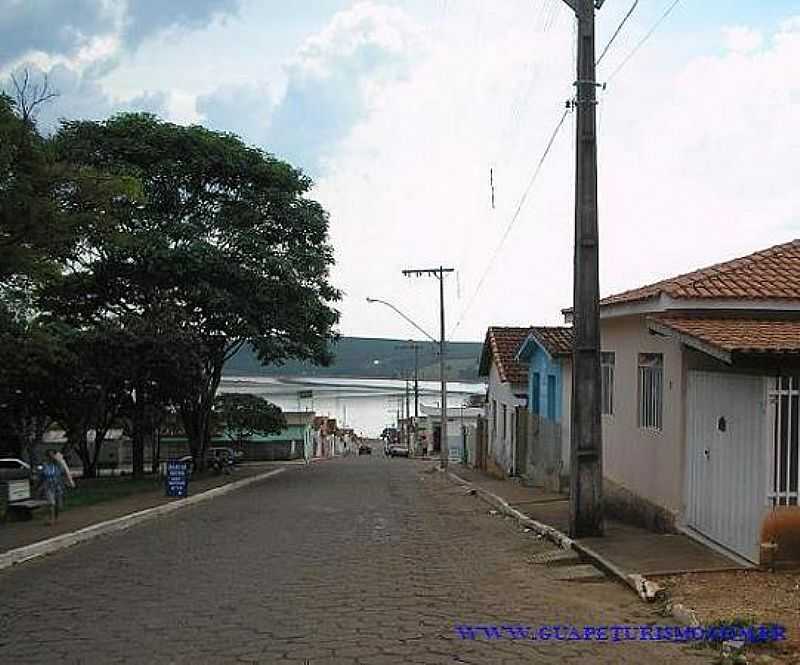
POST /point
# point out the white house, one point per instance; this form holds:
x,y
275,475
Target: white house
x,y
508,385
460,421
700,411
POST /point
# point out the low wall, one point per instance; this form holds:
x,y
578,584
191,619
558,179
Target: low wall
x,y
625,506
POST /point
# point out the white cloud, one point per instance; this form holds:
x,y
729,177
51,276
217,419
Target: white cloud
x,y
742,38
696,166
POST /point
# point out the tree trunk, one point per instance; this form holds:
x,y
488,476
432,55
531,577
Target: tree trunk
x,y
137,443
77,440
196,415
99,439
155,450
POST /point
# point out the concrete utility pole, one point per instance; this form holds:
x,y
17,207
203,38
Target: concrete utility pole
x,y
408,416
439,274
586,445
415,347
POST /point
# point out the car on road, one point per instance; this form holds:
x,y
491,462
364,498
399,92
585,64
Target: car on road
x,y
398,450
364,449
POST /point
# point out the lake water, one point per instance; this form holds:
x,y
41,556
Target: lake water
x,y
366,405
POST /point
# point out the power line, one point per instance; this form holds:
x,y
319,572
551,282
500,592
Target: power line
x,y
513,219
617,31
644,39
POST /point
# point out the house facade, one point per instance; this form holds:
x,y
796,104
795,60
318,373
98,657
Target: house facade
x,y
461,421
700,408
543,445
507,390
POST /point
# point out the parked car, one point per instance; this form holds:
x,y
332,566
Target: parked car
x,y
364,449
13,468
189,461
225,454
398,450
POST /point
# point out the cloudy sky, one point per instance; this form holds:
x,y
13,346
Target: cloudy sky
x,y
399,109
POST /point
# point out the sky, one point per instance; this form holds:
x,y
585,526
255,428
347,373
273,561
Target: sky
x,y
398,109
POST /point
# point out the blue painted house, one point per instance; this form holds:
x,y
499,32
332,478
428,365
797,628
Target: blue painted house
x,y
547,353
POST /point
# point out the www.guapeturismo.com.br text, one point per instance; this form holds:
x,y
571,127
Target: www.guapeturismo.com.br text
x,y
623,633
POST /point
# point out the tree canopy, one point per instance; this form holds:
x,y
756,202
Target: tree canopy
x,y
243,415
174,245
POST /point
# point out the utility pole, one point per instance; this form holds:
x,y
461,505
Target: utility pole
x,y
586,446
439,273
408,416
415,347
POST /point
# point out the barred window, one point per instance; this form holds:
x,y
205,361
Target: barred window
x,y
651,390
607,387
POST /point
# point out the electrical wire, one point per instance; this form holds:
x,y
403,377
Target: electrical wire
x,y
513,219
617,31
644,39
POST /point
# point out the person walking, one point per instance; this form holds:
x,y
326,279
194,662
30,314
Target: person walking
x,y
55,475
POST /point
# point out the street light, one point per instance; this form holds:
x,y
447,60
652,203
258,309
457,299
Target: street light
x,y
424,332
417,326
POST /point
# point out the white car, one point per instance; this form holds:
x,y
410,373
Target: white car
x,y
13,467
14,463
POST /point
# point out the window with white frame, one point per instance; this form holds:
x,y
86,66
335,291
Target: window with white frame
x,y
607,383
651,390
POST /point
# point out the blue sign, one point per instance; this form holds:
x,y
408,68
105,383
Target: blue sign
x,y
177,478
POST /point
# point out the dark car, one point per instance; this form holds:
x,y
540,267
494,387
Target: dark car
x,y
364,449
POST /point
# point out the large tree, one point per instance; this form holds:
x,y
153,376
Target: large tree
x,y
221,235
30,354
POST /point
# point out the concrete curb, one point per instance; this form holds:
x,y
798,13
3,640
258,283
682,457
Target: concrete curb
x,y
646,589
51,545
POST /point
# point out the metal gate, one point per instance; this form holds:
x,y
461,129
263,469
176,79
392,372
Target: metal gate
x,y
727,453
783,473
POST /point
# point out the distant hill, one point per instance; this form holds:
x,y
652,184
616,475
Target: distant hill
x,y
369,357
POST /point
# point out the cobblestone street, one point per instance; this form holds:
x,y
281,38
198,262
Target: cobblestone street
x,y
357,561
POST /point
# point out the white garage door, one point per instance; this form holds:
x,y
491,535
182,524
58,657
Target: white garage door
x,y
726,458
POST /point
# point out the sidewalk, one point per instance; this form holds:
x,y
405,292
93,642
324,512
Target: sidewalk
x,y
628,551
19,534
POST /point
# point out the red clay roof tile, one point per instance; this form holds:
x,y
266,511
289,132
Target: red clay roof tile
x,y
501,346
772,273
738,335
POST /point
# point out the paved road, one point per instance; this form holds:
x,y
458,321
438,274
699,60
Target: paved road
x,y
358,561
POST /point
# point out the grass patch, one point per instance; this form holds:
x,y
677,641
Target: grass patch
x,y
99,490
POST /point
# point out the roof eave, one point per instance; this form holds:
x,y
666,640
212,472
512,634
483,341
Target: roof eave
x,y
691,341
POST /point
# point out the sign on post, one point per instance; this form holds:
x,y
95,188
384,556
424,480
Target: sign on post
x,y
177,478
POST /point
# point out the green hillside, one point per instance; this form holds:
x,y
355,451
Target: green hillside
x,y
367,357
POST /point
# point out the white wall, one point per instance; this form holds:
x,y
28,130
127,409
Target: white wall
x,y
501,449
647,462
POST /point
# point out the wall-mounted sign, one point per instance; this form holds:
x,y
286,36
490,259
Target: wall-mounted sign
x,y
305,394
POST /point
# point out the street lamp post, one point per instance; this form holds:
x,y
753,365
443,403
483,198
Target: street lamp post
x,y
439,273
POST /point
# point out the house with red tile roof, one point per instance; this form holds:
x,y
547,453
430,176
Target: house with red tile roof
x,y
543,448
702,408
508,379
